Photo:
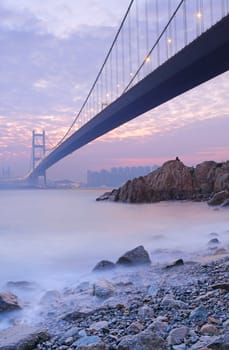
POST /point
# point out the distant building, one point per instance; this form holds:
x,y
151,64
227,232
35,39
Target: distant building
x,y
116,176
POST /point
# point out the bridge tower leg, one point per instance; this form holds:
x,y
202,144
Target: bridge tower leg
x,y
38,150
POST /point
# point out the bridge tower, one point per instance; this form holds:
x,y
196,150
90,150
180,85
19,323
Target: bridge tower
x,y
38,149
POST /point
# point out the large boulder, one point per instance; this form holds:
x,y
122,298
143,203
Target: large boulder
x,y
136,256
22,337
8,301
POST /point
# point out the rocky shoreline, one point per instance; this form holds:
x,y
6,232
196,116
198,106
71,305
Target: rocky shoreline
x,y
208,181
132,305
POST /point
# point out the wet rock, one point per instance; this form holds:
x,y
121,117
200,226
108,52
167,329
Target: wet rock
x,y
104,265
136,256
209,329
100,325
169,301
22,338
199,315
177,335
135,328
158,327
103,289
220,343
175,263
8,301
225,203
145,341
213,242
153,289
145,312
89,342
224,286
218,198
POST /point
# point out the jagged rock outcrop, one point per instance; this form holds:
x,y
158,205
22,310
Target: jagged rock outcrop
x,y
176,181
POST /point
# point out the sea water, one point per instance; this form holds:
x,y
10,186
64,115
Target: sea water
x,y
54,236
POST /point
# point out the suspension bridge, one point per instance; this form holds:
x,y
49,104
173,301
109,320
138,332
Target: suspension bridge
x,y
161,49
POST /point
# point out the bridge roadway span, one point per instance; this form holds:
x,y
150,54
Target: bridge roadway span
x,y
203,59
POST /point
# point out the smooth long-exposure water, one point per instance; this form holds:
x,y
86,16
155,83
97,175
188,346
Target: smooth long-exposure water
x,y
54,236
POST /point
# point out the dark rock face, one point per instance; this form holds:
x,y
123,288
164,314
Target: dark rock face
x,y
175,181
136,256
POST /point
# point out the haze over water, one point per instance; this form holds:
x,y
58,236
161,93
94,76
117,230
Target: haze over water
x,y
55,236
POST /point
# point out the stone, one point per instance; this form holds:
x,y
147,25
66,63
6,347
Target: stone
x,y
209,329
145,312
100,325
218,198
153,290
104,265
88,340
220,343
199,315
135,328
169,301
177,335
142,341
224,286
136,256
22,337
178,262
158,327
72,332
9,301
99,346
225,203
213,242
180,347
103,289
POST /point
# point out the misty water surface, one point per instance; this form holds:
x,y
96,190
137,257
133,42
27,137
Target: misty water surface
x,y
56,235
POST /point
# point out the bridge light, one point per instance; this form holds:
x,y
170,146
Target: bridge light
x,y
147,59
118,85
199,15
107,95
131,74
169,41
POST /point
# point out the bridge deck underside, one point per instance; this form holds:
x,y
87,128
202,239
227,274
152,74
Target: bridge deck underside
x,y
203,59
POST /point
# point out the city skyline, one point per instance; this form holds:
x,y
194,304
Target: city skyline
x,y
47,71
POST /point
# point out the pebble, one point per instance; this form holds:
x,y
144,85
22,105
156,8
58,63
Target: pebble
x,y
183,314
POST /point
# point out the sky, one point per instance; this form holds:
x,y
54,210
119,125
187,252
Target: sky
x,y
51,52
